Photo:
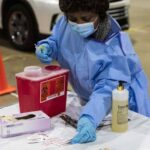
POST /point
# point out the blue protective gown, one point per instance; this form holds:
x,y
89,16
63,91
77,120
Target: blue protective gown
x,y
97,66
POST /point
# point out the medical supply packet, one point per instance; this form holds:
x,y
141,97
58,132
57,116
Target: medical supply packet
x,y
30,122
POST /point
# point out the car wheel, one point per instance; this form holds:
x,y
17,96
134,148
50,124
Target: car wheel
x,y
21,27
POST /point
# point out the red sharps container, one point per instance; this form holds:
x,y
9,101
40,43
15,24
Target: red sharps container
x,y
42,89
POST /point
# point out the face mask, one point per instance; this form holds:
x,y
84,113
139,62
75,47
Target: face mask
x,y
84,29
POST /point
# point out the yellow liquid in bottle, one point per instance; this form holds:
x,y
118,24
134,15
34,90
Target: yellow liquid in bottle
x,y
120,116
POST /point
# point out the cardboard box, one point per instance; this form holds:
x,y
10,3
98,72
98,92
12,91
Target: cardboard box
x,y
30,122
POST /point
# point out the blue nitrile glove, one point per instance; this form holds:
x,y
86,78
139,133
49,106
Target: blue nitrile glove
x,y
43,53
86,131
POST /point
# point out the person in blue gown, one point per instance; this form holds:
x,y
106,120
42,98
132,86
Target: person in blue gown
x,y
90,43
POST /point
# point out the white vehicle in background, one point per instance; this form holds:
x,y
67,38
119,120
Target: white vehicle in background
x,y
24,20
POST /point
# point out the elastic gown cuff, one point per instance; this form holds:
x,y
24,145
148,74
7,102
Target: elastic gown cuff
x,y
90,118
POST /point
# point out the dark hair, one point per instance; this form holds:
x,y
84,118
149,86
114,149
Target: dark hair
x,y
97,6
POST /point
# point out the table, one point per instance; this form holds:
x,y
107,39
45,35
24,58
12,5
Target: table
x,y
136,138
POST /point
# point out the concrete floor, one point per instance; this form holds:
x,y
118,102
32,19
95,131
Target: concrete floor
x,y
15,60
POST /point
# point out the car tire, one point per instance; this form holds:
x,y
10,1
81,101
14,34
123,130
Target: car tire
x,y
21,27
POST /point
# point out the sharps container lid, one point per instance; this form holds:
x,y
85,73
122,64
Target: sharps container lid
x,y
33,71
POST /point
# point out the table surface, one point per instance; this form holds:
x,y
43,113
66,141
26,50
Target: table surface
x,y
136,138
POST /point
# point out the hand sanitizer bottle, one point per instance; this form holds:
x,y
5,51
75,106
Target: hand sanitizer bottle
x,y
120,108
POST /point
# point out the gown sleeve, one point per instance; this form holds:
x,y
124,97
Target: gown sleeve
x,y
113,68
53,39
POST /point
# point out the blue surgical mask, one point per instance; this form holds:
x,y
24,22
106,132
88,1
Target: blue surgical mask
x,y
84,29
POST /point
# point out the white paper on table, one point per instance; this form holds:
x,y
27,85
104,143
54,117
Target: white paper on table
x,y
134,139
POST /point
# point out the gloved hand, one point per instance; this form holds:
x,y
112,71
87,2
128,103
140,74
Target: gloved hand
x,y
43,53
86,131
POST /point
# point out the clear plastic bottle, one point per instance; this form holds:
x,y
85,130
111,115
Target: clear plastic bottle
x,y
120,108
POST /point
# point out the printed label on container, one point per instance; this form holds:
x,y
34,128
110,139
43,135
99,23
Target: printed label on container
x,y
122,114
52,88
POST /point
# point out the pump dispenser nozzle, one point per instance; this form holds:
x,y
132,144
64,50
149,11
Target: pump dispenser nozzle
x,y
120,86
